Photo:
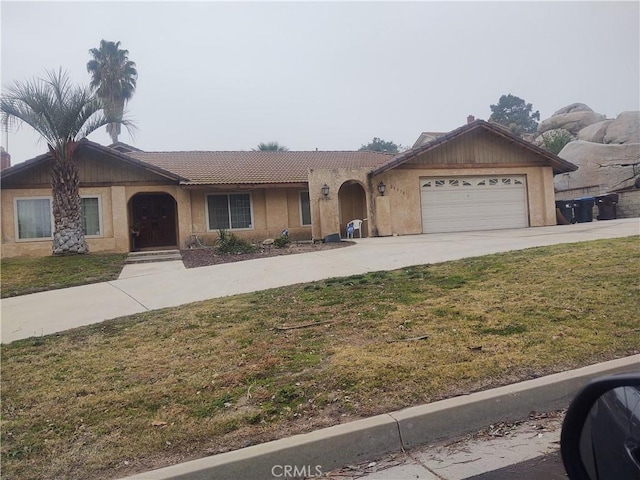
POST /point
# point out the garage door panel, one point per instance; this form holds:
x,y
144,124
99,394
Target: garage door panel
x,y
466,198
473,212
473,203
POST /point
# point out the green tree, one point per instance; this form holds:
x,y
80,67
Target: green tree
x,y
555,140
270,146
515,114
63,114
113,79
379,145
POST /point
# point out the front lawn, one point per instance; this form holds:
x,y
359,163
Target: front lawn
x,y
161,387
29,275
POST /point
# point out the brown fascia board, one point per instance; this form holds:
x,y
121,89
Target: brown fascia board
x,y
97,148
559,165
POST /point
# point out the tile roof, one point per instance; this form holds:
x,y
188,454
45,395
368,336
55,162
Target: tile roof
x,y
255,167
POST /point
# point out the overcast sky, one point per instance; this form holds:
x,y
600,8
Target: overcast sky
x,y
328,75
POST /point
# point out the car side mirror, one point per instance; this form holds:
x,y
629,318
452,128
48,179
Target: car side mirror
x,y
601,431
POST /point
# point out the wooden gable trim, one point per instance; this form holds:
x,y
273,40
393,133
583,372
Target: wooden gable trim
x,y
462,166
34,173
559,165
132,161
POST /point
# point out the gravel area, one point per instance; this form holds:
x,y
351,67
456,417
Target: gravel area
x,y
203,257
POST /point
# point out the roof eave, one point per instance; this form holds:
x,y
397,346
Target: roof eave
x,y
245,185
132,161
559,165
84,143
15,169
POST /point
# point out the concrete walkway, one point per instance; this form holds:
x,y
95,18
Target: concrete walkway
x,y
146,288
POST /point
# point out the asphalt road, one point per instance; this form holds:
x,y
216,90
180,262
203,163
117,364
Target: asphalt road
x,y
546,467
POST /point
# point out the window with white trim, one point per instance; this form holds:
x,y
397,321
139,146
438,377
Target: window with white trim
x,y
90,215
33,218
305,208
229,211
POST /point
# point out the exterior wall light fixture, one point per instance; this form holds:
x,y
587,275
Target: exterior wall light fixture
x,y
382,188
325,190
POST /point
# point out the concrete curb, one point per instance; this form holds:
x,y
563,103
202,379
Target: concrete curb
x,y
313,453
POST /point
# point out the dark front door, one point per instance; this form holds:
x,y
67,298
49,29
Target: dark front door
x,y
154,218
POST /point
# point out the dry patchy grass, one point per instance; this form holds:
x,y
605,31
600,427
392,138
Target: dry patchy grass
x,y
21,276
160,387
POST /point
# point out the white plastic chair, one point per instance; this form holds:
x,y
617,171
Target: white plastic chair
x,y
357,225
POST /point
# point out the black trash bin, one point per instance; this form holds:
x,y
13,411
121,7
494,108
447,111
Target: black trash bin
x,y
583,209
566,209
607,206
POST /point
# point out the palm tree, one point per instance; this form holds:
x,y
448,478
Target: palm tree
x,y
63,114
271,146
113,79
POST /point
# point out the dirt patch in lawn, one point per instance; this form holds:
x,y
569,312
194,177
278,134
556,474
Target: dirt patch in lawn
x,y
202,257
153,389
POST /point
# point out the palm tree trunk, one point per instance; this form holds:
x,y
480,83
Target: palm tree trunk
x,y
113,129
68,237
114,108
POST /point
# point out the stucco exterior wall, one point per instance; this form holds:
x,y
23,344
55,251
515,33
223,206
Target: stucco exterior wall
x,y
114,237
277,211
120,217
325,211
383,216
183,201
11,247
542,206
297,230
115,214
403,192
273,209
106,242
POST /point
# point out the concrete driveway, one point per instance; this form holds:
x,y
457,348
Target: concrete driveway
x,y
58,310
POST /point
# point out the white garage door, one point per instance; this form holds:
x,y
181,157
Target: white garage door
x,y
459,204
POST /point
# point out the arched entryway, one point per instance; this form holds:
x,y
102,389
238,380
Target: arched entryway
x,y
153,221
353,205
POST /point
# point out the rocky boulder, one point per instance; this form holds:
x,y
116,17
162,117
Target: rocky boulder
x,y
598,165
573,118
624,129
594,133
573,108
